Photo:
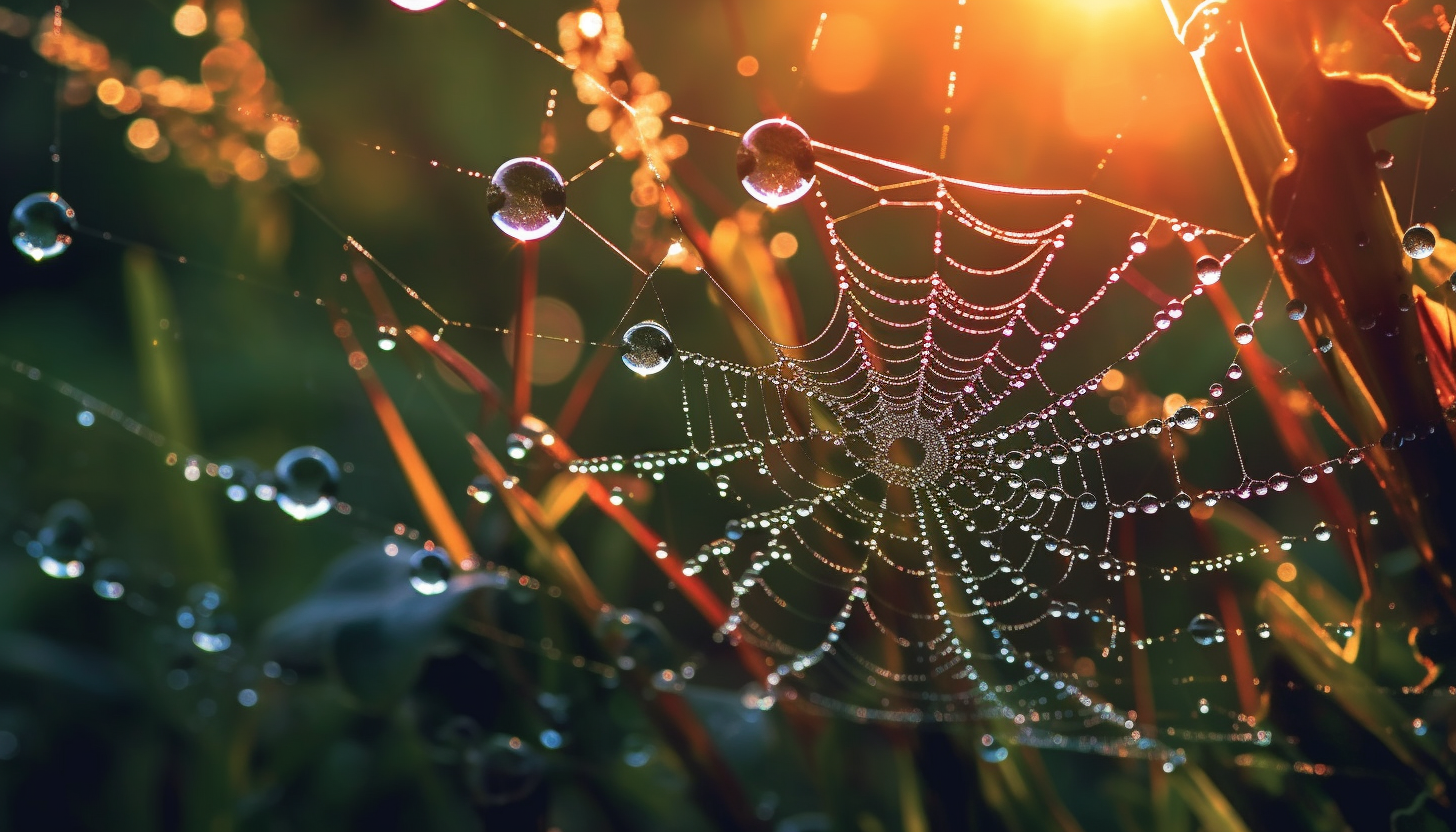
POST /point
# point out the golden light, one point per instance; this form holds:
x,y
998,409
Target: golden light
x,y
250,165
190,20
281,142
1113,380
848,55
555,352
1172,402
143,134
748,66
110,91
1287,572
589,23
783,245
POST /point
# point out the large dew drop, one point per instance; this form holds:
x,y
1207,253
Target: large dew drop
x,y
1186,417
647,348
1208,270
1419,242
430,571
776,162
1204,629
417,5
308,481
41,226
527,198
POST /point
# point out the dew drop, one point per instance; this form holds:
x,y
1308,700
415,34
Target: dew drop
x,y
1183,500
1308,474
1244,334
430,571
1384,159
647,348
1149,504
1302,253
1204,629
1263,630
42,225
308,480
1138,242
417,5
1296,309
1087,501
776,162
1419,242
1162,320
1324,344
1186,417
518,445
1235,371
481,489
1208,270
1322,531
526,198
1215,390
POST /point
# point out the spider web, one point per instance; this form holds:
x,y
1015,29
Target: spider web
x,y
925,518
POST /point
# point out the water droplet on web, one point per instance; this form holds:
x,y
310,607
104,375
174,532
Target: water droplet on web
x,y
64,542
1308,474
647,348
1384,159
526,198
518,445
1161,320
1215,390
1295,309
1302,253
1208,270
308,480
722,482
1324,344
1244,334
417,5
991,750
1183,500
1087,501
1235,371
1186,417
776,162
1138,242
1263,631
481,489
1419,242
1149,504
1322,531
430,571
42,226
733,530
109,575
1204,629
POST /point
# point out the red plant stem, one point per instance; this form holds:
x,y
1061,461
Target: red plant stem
x,y
525,342
461,367
438,514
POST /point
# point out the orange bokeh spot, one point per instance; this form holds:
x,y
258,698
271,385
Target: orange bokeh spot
x,y
747,66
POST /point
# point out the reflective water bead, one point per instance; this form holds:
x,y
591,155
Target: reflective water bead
x,y
1215,390
1204,629
308,480
526,198
1244,334
518,445
64,541
1322,531
1324,344
1384,159
647,348
1138,242
1419,242
1087,501
482,489
1302,252
417,5
1296,309
502,770
1162,320
1235,371
42,225
430,571
1149,504
1262,630
1186,417
1208,270
776,162
1183,500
